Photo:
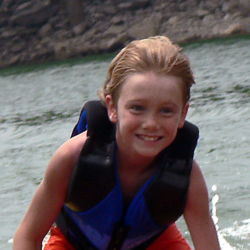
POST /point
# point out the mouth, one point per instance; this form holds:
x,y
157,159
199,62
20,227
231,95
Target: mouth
x,y
149,138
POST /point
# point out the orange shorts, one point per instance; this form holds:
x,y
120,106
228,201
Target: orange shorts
x,y
171,239
57,241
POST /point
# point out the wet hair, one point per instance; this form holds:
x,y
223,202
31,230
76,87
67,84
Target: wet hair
x,y
157,54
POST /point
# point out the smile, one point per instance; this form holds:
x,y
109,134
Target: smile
x,y
149,138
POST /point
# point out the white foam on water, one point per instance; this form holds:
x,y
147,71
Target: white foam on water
x,y
223,242
10,241
238,230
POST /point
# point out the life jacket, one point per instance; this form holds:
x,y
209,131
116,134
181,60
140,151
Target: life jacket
x,y
93,216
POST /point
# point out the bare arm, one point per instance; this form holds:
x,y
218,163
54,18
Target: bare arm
x,y
197,214
49,197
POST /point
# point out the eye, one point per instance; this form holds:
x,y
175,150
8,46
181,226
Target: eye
x,y
137,108
167,111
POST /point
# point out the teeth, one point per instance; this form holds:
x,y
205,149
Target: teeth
x,y
149,138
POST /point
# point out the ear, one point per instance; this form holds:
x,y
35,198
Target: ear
x,y
112,109
183,116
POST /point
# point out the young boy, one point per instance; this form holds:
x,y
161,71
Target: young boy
x,y
124,186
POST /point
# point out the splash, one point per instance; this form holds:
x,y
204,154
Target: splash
x,y
223,242
238,230
10,241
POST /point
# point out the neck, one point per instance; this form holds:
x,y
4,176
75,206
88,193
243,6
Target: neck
x,y
134,164
133,173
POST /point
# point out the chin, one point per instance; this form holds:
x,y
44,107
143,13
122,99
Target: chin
x,y
148,153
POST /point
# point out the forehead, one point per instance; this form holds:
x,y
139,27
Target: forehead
x,y
151,85
151,81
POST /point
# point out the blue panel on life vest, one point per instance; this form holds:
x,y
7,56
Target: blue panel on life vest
x,y
82,124
138,218
97,223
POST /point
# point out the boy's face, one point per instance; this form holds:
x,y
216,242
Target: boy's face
x,y
149,111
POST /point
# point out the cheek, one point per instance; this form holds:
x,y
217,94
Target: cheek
x,y
171,136
128,121
171,128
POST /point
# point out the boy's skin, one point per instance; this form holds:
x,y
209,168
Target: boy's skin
x,y
149,110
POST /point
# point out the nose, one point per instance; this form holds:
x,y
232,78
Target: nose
x,y
150,123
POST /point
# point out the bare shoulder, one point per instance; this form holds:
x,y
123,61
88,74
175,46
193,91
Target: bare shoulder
x,y
196,174
198,193
197,180
64,160
71,149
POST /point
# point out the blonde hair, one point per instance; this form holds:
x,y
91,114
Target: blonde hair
x,y
154,53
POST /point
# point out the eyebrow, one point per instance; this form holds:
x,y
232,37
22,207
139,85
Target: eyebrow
x,y
145,101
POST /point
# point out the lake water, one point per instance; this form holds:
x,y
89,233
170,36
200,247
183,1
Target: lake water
x,y
39,107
